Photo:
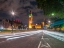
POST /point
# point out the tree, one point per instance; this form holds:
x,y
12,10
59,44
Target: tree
x,y
51,6
54,19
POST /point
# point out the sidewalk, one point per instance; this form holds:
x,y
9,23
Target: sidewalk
x,y
5,32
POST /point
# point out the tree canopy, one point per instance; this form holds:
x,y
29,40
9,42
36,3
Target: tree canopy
x,y
51,6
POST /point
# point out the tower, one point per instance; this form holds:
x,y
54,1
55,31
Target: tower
x,y
30,19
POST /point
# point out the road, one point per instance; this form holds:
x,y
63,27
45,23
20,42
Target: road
x,y
55,39
21,40
32,39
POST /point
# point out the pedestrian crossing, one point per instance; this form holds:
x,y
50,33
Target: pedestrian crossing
x,y
19,35
57,35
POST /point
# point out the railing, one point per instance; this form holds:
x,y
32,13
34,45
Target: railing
x,y
57,23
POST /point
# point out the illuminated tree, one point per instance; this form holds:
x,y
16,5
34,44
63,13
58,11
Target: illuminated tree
x,y
51,6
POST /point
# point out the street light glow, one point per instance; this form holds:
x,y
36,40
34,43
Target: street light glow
x,y
52,14
36,24
49,21
13,13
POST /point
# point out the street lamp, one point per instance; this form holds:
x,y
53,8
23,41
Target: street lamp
x,y
13,13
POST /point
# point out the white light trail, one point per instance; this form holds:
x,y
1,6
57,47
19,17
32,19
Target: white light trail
x,y
19,35
57,35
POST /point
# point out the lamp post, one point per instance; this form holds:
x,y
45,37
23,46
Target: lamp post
x,y
13,13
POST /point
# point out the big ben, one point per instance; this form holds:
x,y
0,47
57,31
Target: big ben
x,y
30,19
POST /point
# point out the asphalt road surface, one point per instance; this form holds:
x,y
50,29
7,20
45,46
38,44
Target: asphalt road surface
x,y
54,39
32,39
21,40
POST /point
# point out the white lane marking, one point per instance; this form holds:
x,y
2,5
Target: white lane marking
x,y
42,37
48,45
39,44
43,44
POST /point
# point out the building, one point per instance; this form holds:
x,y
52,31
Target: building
x,y
31,25
1,24
7,24
4,24
30,19
38,26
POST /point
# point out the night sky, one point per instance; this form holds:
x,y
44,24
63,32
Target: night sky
x,y
21,8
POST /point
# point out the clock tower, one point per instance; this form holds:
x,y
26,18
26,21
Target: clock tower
x,y
30,19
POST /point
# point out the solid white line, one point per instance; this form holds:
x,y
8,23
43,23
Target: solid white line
x,y
42,37
49,45
39,44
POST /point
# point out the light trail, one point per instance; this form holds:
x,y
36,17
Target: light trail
x,y
19,35
57,35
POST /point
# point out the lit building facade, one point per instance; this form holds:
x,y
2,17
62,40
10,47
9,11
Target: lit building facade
x,y
30,19
38,26
6,24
